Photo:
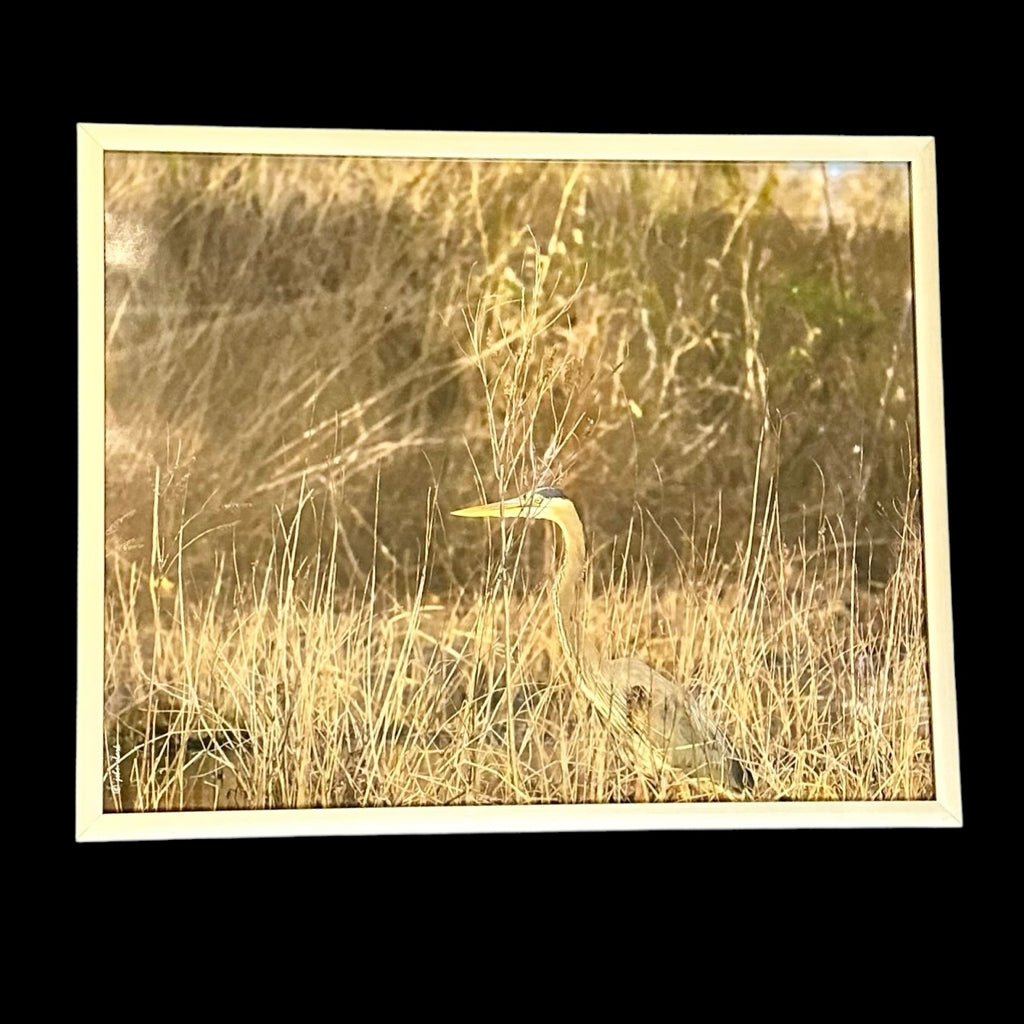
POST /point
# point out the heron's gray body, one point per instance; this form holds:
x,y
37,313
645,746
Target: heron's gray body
x,y
673,730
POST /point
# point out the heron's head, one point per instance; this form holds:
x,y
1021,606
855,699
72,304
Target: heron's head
x,y
543,503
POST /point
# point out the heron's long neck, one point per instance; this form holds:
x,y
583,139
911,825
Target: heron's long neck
x,y
570,595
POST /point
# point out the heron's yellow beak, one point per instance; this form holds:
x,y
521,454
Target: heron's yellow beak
x,y
511,508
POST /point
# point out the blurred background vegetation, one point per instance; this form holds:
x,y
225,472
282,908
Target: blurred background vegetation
x,y
278,319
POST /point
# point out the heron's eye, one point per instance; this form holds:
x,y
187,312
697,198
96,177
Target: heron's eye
x,y
538,499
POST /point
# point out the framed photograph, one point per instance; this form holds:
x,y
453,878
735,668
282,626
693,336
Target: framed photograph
x,y
471,482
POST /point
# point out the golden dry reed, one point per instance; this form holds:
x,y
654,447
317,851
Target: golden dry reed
x,y
274,681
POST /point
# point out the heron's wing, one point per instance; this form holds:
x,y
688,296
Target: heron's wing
x,y
671,718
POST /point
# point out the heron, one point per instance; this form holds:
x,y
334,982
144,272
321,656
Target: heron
x,y
663,722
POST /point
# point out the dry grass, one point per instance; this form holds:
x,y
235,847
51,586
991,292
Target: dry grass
x,y
274,689
272,682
